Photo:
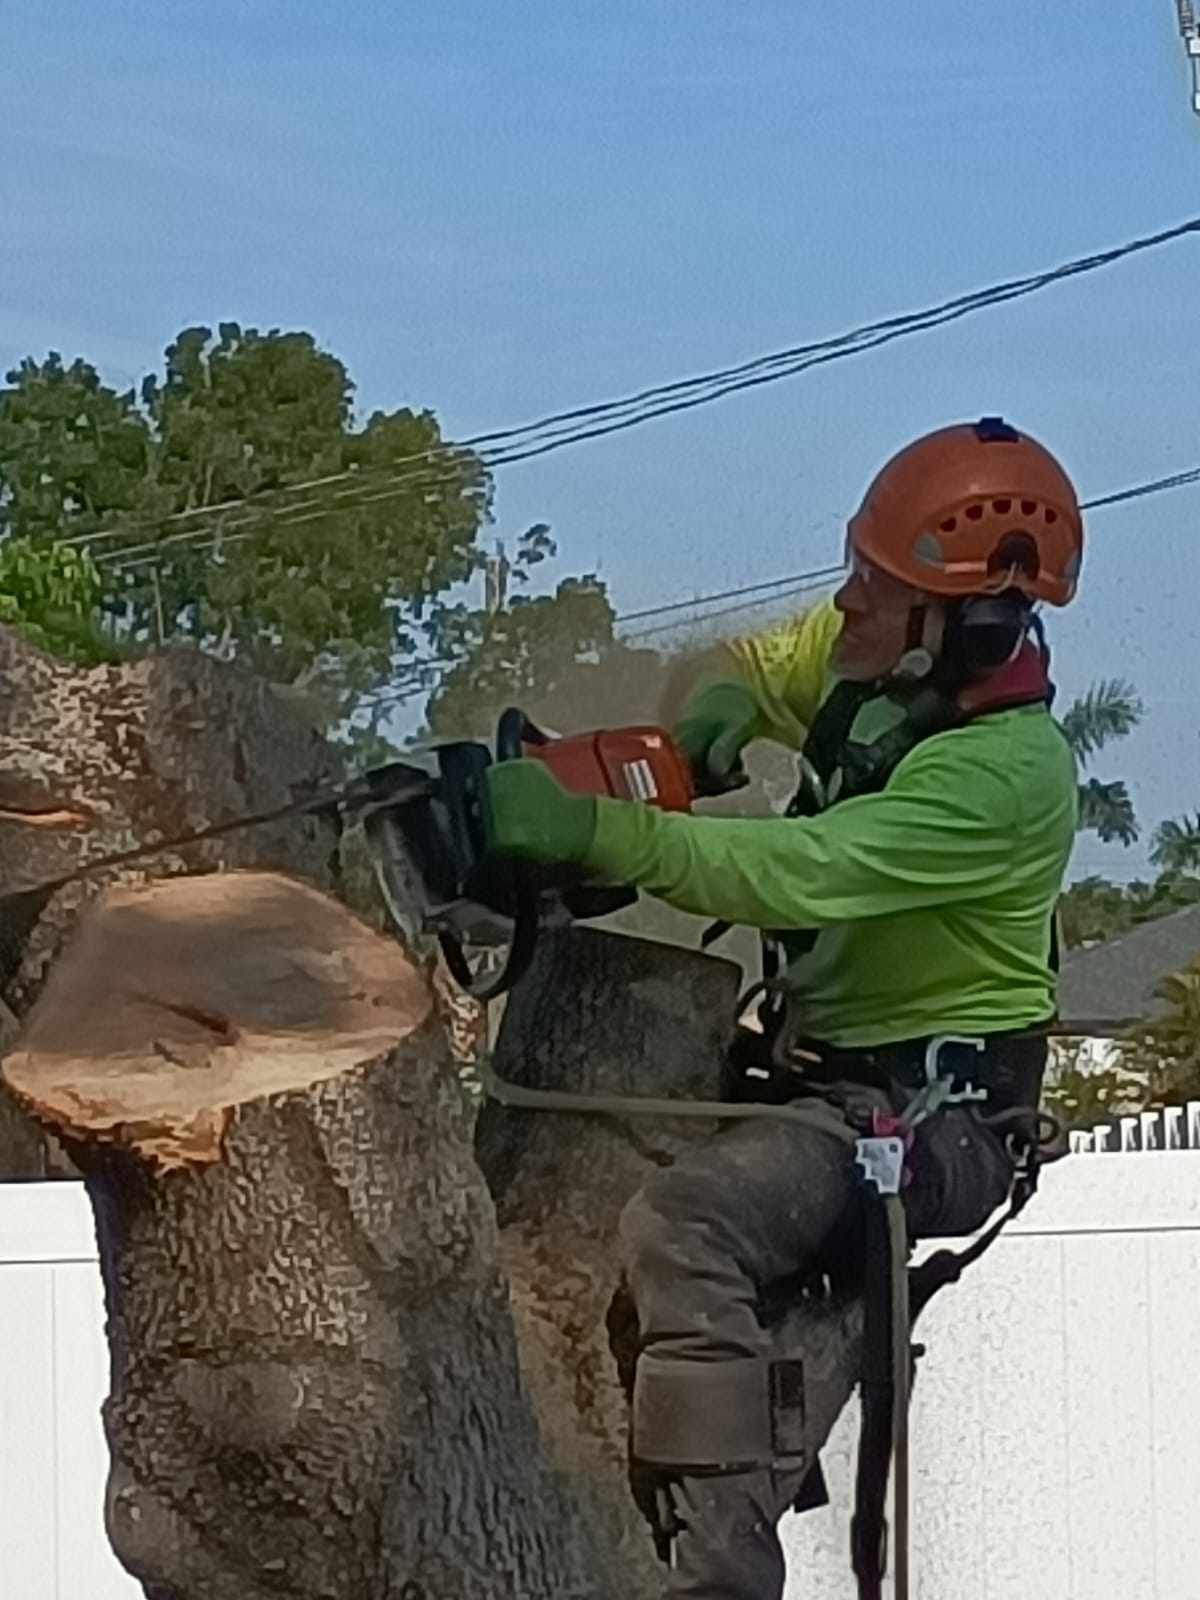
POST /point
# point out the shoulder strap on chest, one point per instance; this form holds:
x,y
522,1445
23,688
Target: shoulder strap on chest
x,y
864,766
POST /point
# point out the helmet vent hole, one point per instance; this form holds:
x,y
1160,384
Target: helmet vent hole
x,y
1050,515
974,513
1016,552
950,524
1028,508
1002,507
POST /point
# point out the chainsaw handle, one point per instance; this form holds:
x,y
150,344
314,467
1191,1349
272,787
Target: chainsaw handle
x,y
513,732
520,954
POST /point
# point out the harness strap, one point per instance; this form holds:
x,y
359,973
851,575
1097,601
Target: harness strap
x,y
947,1266
894,1295
883,1431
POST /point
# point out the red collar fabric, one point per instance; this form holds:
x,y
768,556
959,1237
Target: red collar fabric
x,y
1023,681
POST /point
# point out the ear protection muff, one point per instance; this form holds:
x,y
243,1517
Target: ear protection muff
x,y
984,632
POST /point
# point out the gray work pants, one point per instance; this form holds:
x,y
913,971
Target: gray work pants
x,y
704,1243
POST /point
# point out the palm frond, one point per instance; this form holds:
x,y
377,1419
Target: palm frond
x,y
1107,810
1109,710
1175,844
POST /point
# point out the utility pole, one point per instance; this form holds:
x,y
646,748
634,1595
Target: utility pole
x,y
159,619
1189,32
496,571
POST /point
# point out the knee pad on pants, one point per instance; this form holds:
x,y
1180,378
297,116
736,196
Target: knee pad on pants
x,y
719,1416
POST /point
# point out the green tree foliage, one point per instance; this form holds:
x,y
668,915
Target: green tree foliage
x,y
74,454
1107,809
555,655
1080,1097
1175,845
1166,1053
1095,909
51,594
1157,1065
328,587
1109,710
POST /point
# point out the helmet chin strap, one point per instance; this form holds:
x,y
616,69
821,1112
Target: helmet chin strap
x,y
917,662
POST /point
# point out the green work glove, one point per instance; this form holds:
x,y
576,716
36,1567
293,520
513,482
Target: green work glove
x,y
531,815
718,722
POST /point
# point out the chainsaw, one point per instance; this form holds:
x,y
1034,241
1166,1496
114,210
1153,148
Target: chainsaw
x,y
427,831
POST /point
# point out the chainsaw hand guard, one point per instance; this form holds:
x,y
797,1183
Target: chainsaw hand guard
x,y
428,835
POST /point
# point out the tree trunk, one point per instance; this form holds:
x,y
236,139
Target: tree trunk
x,y
596,1013
95,762
22,1147
315,1389
603,1013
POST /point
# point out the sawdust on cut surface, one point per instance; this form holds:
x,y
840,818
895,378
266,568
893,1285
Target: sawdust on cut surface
x,y
179,1000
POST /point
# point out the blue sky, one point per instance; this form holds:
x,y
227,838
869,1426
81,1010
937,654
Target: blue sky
x,y
500,209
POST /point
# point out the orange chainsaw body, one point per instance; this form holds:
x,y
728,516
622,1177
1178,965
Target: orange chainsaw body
x,y
641,763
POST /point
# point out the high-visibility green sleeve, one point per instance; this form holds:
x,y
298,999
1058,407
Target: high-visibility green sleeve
x,y
947,829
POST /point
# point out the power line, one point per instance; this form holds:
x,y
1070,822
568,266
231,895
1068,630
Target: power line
x,y
1177,480
800,583
790,585
817,581
729,594
787,587
223,524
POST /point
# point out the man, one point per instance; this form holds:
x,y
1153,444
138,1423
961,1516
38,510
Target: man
x,y
915,900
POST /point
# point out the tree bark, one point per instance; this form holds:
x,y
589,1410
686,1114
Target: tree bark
x,y
94,762
315,1387
22,1147
600,1013
316,1383
603,1013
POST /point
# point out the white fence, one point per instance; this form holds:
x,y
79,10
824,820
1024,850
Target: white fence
x,y
53,1376
1056,1421
1171,1128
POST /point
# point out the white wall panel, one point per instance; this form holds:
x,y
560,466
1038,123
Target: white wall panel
x,y
1056,1421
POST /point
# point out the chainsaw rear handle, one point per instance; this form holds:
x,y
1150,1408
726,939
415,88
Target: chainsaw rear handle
x,y
515,734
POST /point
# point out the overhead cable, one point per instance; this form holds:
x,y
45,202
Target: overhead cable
x,y
1177,480
817,581
555,431
730,594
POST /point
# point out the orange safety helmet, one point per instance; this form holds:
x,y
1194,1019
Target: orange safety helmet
x,y
973,509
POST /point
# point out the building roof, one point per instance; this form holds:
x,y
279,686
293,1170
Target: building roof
x,y
1105,989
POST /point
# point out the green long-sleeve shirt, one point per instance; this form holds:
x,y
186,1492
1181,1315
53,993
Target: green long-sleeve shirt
x,y
934,897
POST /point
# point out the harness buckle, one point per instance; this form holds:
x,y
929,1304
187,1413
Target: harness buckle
x,y
881,1161
935,1075
939,1087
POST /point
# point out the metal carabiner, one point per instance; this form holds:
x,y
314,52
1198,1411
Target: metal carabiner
x,y
939,1087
